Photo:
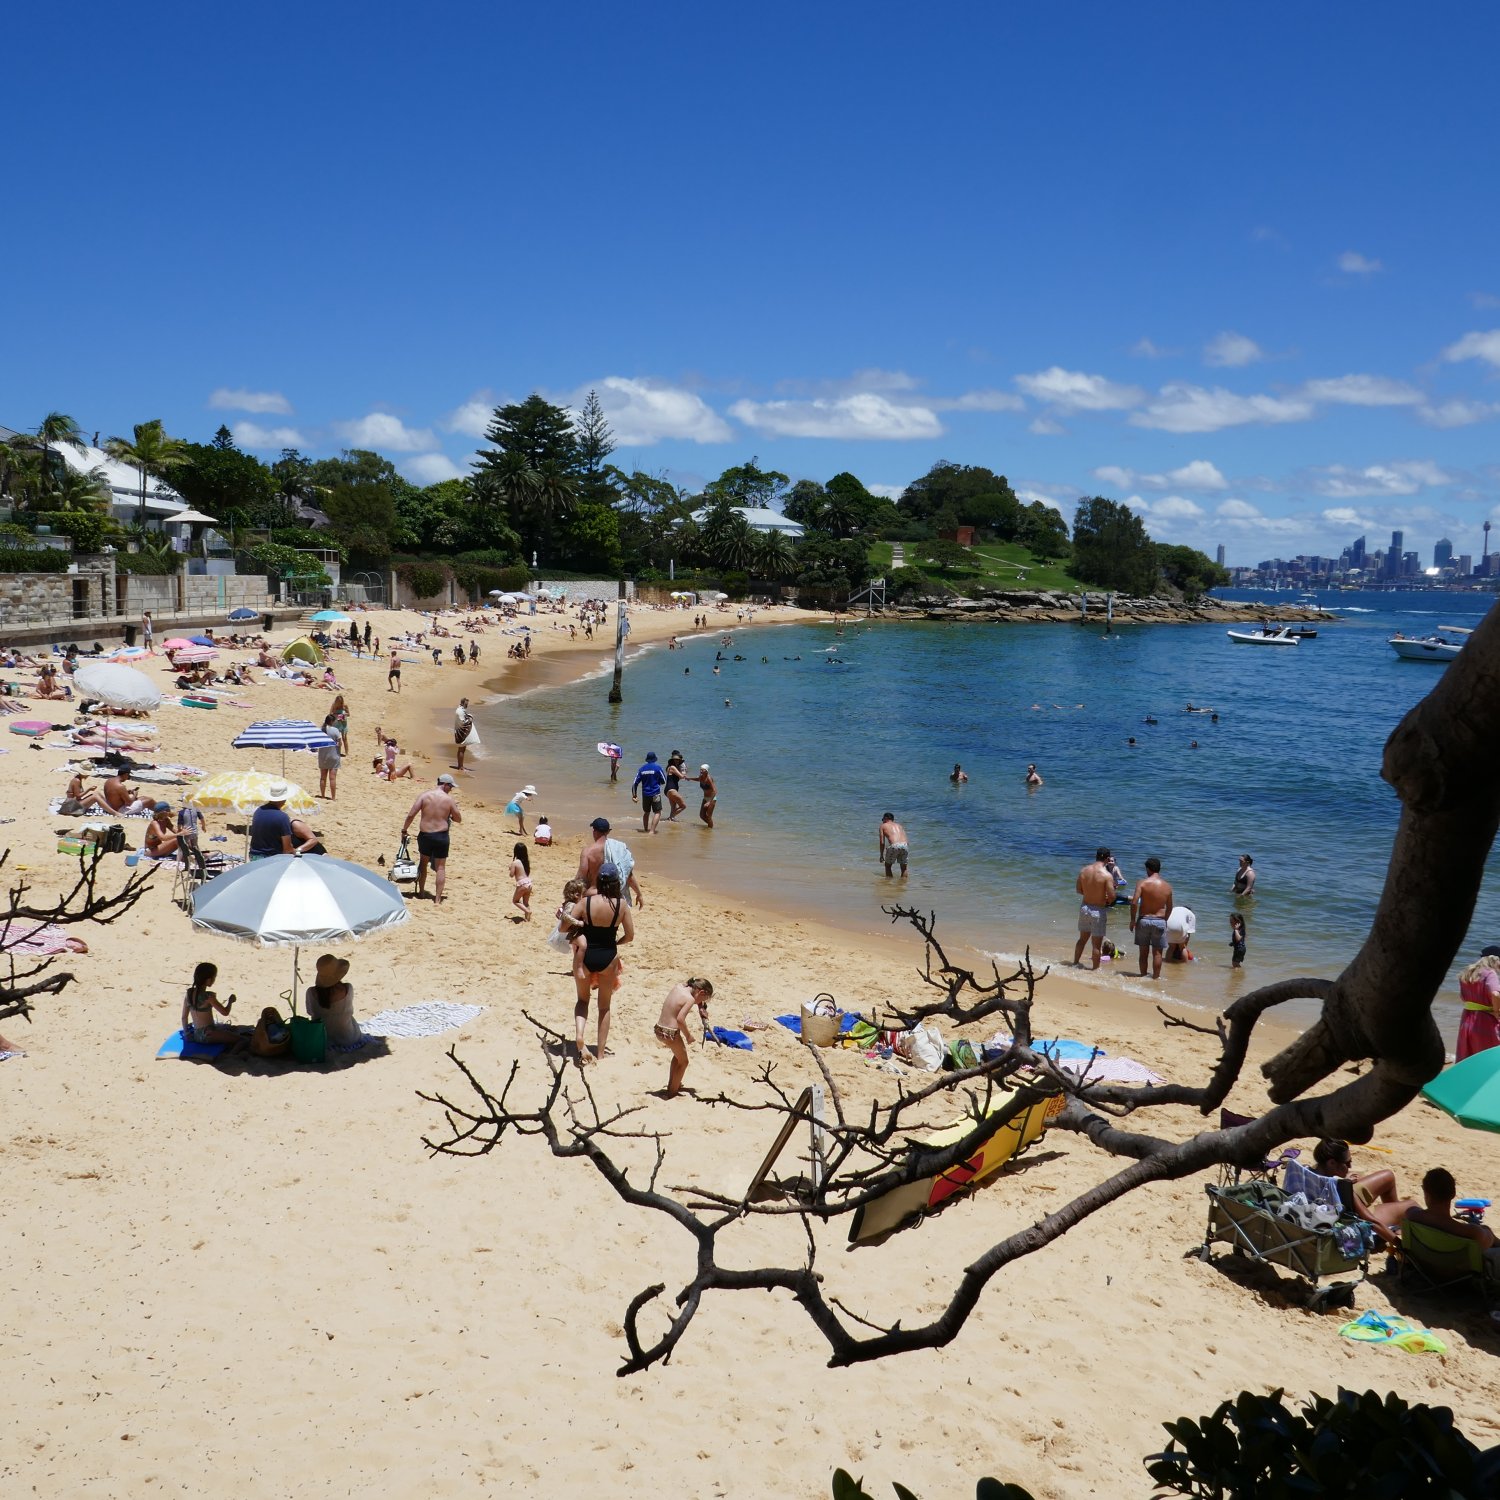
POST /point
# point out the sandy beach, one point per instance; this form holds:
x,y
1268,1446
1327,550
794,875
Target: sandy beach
x,y
256,1281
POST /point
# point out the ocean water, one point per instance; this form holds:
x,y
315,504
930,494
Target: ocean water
x,y
822,733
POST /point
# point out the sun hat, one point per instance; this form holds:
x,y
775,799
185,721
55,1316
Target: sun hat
x,y
528,790
331,970
278,791
446,780
651,755
600,825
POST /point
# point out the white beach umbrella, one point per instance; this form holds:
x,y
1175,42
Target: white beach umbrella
x,y
117,686
291,901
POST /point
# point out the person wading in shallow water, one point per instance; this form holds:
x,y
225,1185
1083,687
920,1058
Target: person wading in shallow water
x,y
1096,890
1149,908
891,846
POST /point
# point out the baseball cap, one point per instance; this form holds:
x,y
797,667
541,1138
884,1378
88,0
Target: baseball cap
x,y
446,780
651,755
612,872
167,807
600,825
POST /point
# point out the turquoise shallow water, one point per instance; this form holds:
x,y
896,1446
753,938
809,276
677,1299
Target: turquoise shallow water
x,y
808,754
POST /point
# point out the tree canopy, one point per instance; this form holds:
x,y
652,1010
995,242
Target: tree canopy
x,y
1111,547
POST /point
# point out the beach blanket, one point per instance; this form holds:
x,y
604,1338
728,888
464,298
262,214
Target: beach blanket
x,y
1313,1186
847,1022
727,1038
54,809
431,1018
180,1046
1061,1049
39,938
1110,1070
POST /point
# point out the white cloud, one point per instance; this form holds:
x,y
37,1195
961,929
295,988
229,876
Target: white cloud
x,y
1237,510
258,439
385,433
642,412
1459,413
1199,474
1175,508
473,417
1363,390
1485,346
1192,408
1241,516
1231,351
1073,390
429,468
1147,349
1045,427
887,491
1405,477
1345,515
865,415
1029,496
262,403
986,400
1352,263
1484,299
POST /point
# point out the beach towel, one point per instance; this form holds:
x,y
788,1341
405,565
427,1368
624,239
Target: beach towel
x,y
847,1022
6,1056
1313,1186
39,938
727,1038
179,1046
431,1018
1061,1049
1374,1328
1110,1070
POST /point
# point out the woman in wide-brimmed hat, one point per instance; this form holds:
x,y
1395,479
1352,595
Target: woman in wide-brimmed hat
x,y
330,999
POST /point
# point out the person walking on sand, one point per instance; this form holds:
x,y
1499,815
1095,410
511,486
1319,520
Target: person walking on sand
x,y
672,1029
393,672
1149,908
891,845
437,811
465,735
148,631
604,922
591,861
1096,890
649,781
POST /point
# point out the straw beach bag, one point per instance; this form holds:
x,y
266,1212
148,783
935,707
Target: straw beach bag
x,y
820,1021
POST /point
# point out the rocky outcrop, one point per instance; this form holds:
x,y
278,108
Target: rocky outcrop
x,y
1003,606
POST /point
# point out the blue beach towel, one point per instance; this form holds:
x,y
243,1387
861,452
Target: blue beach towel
x,y
725,1037
177,1045
1060,1049
794,1023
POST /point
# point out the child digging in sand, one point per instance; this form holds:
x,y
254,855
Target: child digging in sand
x,y
520,872
671,1027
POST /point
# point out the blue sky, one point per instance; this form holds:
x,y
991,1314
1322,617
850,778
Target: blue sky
x,y
1238,264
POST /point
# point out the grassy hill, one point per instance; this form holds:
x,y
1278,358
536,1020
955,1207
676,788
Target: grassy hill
x,y
992,564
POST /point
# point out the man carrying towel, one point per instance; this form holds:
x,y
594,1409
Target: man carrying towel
x,y
438,811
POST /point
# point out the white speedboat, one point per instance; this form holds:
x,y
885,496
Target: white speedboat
x,y
1263,637
1438,647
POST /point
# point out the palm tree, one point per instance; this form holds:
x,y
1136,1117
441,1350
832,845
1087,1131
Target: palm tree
x,y
75,491
151,451
728,539
774,558
535,497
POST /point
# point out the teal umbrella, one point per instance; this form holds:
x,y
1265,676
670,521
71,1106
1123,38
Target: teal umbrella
x,y
1470,1090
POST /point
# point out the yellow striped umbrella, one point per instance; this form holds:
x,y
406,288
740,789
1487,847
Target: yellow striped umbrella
x,y
244,791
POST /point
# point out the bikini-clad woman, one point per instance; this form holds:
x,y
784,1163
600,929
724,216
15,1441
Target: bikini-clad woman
x,y
604,922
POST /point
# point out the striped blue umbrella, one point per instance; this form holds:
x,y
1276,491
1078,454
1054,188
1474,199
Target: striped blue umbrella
x,y
282,735
242,613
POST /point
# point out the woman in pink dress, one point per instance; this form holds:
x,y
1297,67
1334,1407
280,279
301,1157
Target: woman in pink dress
x,y
1479,989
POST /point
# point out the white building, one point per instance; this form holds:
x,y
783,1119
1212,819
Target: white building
x,y
760,519
162,502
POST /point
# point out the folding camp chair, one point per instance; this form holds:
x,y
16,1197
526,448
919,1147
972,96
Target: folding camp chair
x,y
1432,1260
191,872
1231,1175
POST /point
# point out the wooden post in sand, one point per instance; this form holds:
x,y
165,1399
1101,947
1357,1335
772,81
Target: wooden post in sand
x,y
615,695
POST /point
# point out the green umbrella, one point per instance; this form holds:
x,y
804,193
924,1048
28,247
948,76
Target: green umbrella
x,y
1470,1090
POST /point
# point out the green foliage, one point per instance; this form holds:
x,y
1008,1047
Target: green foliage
x,y
531,475
276,562
1378,1448
904,582
1044,531
748,484
950,495
594,440
148,450
845,1487
1188,569
424,579
589,538
723,538
33,560
359,492
147,564
947,555
88,529
217,478
308,536
1111,547
827,562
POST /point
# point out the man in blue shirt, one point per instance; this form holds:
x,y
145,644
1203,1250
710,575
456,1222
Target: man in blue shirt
x,y
270,828
649,781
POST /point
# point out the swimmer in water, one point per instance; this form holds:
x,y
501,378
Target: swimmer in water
x,y
958,775
1033,777
1148,720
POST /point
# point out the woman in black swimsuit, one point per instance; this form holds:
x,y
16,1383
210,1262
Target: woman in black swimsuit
x,y
604,922
676,767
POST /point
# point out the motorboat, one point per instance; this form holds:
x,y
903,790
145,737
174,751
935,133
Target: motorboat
x,y
1265,636
1436,647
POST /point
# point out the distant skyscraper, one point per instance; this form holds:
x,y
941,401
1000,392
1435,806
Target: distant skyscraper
x,y
1465,564
1393,557
1357,554
1220,556
1442,553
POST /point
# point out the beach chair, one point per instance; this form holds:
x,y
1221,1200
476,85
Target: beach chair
x,y
1432,1260
1230,1174
1245,1218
